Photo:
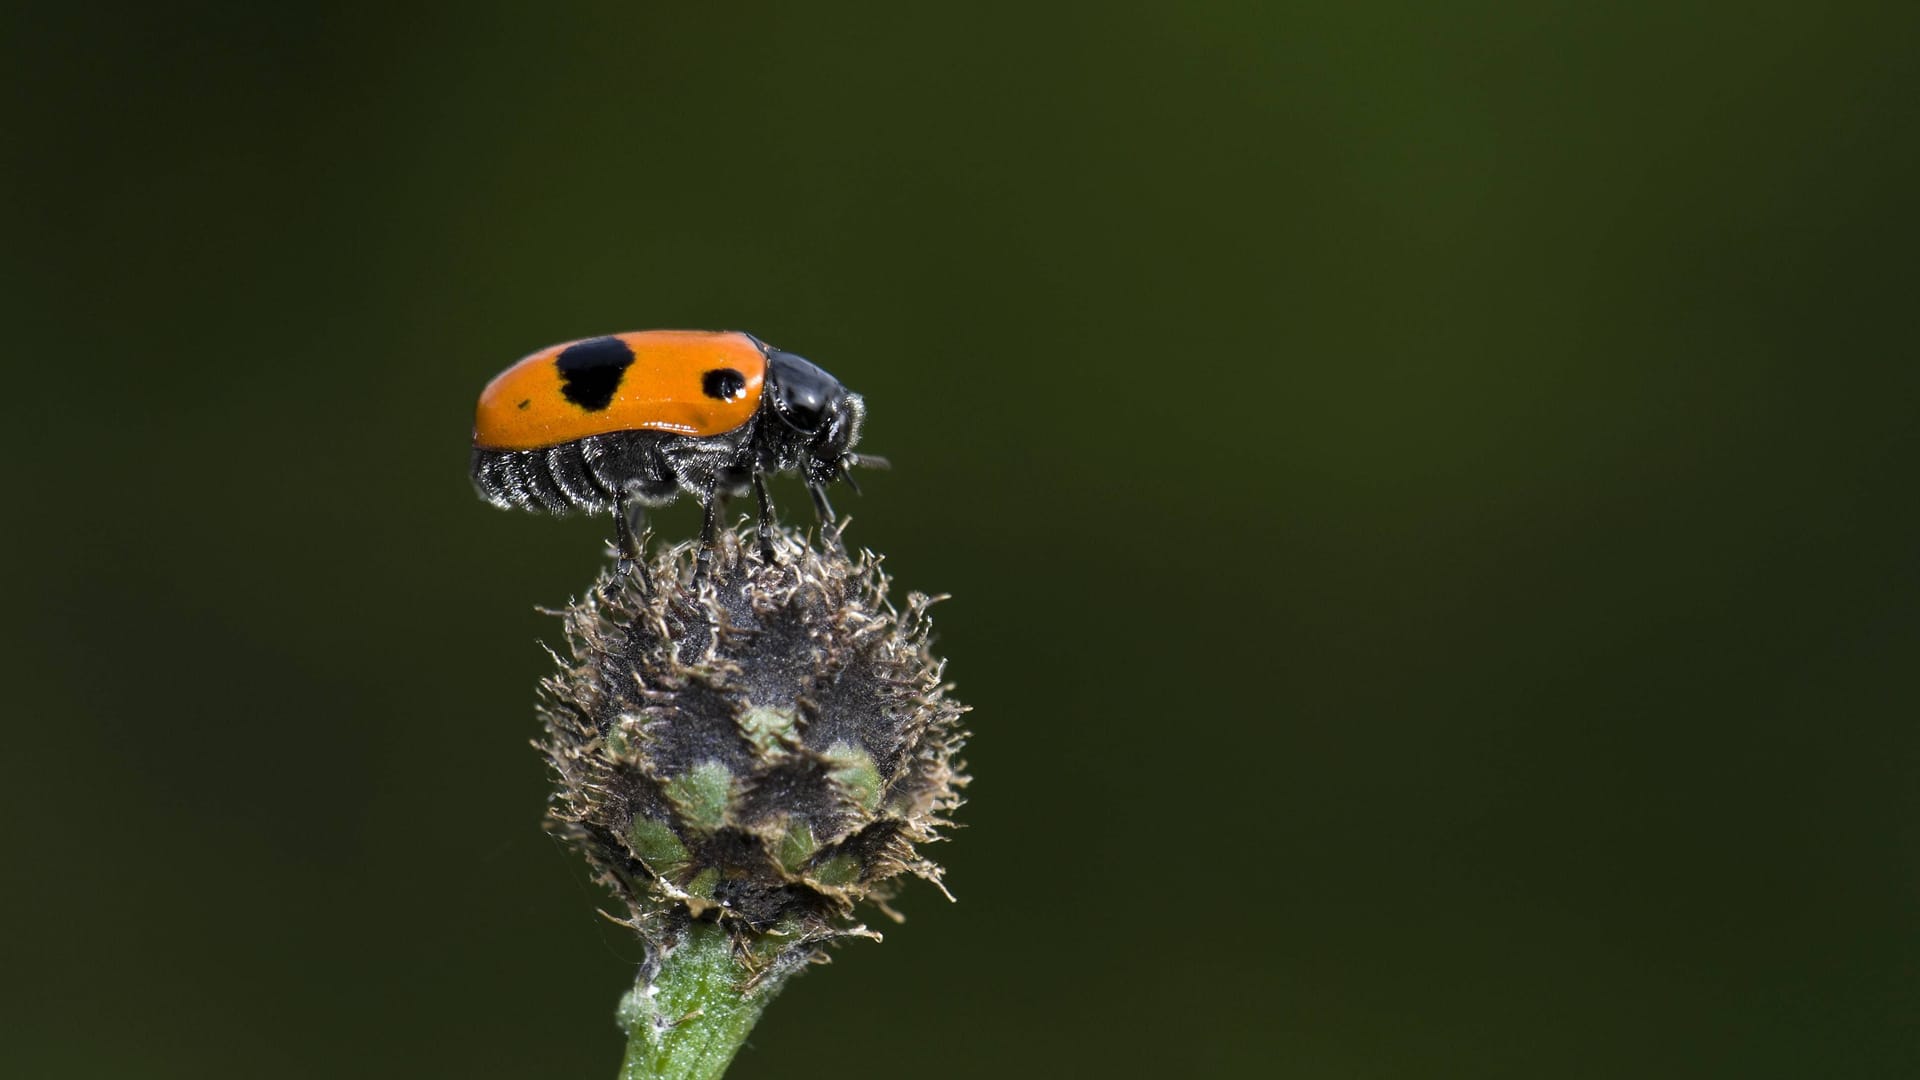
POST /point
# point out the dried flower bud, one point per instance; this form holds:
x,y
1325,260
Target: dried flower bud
x,y
765,748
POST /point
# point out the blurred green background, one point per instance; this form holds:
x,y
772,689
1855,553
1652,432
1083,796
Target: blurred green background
x,y
1428,492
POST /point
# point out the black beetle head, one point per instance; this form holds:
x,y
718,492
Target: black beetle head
x,y
822,415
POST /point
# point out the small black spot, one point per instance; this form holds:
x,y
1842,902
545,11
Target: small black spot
x,y
590,371
526,403
723,384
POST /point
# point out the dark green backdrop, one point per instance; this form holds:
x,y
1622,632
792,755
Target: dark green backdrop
x,y
1427,490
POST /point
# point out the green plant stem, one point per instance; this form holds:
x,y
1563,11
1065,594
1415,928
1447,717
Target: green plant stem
x,y
688,1024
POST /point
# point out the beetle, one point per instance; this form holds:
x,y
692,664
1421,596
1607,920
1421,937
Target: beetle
x,y
628,421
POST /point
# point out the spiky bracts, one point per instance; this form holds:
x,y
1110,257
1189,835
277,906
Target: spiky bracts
x,y
765,749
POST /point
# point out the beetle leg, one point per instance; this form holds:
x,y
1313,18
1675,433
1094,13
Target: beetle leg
x,y
828,530
709,536
766,516
629,525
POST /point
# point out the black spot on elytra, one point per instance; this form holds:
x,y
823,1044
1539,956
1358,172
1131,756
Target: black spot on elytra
x,y
526,403
723,384
590,371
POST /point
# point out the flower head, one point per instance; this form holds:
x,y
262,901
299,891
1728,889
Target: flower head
x,y
766,746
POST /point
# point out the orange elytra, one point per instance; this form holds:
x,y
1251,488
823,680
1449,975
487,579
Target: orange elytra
x,y
683,382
